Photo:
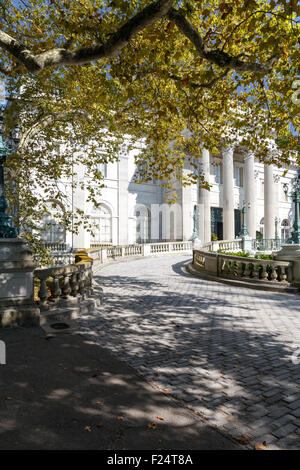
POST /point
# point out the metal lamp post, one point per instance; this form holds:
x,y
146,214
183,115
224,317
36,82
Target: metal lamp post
x,y
244,231
6,228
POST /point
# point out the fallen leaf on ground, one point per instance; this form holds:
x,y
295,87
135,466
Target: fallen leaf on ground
x,y
197,412
152,426
99,402
120,418
99,425
160,417
243,439
88,428
166,390
261,446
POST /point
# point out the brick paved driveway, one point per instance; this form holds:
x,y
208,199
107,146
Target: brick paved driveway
x,y
226,351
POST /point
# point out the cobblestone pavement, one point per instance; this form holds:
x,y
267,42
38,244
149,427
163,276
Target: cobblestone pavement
x,y
226,351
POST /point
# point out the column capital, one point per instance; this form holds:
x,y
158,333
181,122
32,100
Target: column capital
x,y
248,153
228,148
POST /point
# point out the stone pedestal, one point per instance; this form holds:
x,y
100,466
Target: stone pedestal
x,y
247,243
16,284
196,243
291,253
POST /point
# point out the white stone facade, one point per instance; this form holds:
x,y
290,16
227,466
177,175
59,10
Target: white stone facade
x,y
133,213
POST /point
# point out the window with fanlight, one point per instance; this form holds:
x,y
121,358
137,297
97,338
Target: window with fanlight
x,y
53,230
101,224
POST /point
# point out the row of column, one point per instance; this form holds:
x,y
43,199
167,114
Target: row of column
x,y
250,196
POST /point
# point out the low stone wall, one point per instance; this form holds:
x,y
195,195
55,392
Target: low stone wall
x,y
251,270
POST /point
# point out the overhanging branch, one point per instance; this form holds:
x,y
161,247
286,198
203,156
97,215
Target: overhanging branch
x,y
58,56
217,56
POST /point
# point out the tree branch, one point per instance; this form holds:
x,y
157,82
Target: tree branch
x,y
217,56
207,85
54,57
46,121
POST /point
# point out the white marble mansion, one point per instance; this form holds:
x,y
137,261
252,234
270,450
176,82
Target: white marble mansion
x,y
137,213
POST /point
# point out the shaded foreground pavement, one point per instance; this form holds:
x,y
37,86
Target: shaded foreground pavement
x,y
232,354
69,393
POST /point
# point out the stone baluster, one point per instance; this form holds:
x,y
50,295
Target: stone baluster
x,y
65,285
264,274
55,289
80,281
255,272
74,284
283,274
43,291
273,273
240,271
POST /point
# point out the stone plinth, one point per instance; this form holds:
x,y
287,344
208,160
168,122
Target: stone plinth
x,y
16,284
291,253
246,243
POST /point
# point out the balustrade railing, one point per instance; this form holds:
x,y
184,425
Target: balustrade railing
x,y
226,245
57,247
238,267
265,244
62,282
102,254
63,258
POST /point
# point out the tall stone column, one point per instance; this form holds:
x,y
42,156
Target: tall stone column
x,y
228,195
269,202
250,193
204,229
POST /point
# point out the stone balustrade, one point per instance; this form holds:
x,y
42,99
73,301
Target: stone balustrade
x,y
169,247
62,282
241,268
104,254
57,247
266,244
226,245
63,258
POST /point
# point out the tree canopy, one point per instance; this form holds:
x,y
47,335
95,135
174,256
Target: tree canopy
x,y
175,75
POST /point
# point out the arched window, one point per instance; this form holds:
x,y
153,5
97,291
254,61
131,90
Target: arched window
x,y
101,224
285,229
143,225
52,230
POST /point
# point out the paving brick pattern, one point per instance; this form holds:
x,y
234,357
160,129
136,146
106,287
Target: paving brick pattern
x,y
225,351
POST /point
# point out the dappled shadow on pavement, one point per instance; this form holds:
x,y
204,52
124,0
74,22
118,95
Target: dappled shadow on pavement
x,y
68,393
225,351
